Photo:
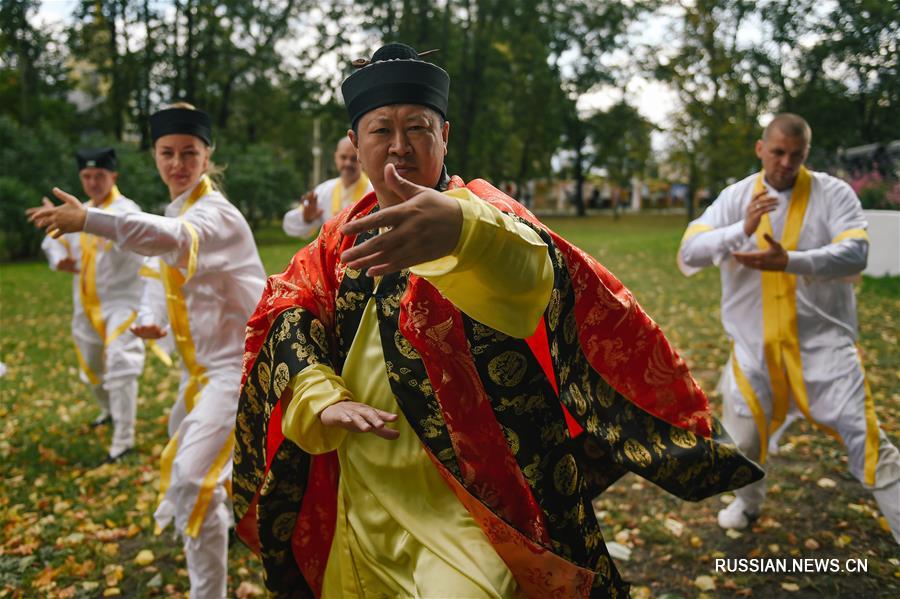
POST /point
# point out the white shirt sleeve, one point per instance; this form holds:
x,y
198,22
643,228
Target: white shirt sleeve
x,y
197,241
294,225
153,298
54,250
844,256
714,236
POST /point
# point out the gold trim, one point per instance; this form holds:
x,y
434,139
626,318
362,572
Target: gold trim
x,y
851,234
759,416
694,230
873,441
120,329
82,363
208,487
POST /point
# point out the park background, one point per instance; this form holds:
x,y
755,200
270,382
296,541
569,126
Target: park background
x,y
579,106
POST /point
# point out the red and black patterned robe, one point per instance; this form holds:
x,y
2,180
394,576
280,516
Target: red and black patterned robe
x,y
525,431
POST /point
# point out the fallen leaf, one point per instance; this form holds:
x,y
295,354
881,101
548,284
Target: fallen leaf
x,y
826,483
248,589
674,526
811,544
144,557
793,587
705,583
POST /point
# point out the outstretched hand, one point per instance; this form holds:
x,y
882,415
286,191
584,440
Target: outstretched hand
x,y
68,217
359,418
773,258
425,226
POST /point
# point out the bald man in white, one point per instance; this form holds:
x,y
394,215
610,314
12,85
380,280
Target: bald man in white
x,y
329,197
788,242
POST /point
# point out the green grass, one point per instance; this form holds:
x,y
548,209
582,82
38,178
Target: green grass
x,y
67,526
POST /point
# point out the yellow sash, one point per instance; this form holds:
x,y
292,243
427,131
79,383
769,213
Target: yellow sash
x,y
356,194
781,344
90,299
173,280
87,286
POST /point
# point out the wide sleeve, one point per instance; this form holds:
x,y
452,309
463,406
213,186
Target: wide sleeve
x,y
312,390
500,272
714,236
294,368
848,252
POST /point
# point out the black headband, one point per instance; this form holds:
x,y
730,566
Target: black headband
x,y
395,75
96,158
181,120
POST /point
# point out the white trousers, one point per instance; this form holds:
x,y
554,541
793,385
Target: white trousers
x,y
886,490
116,367
202,433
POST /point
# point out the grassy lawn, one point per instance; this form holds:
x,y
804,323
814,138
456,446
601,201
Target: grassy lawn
x,y
71,529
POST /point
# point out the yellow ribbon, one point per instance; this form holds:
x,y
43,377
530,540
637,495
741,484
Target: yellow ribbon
x,y
781,345
173,281
356,193
872,439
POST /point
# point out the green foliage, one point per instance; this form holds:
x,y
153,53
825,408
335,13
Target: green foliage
x,y
31,162
259,180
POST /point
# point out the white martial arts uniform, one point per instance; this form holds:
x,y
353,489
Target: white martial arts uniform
x,y
332,197
794,333
213,279
106,294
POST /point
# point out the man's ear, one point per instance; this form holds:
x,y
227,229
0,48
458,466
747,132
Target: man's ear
x,y
353,139
759,148
445,135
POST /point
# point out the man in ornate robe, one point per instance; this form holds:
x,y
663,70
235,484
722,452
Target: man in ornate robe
x,y
437,387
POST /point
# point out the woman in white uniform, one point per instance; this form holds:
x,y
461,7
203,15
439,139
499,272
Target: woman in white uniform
x,y
212,278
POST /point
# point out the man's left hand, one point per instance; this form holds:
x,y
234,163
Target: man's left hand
x,y
773,258
424,227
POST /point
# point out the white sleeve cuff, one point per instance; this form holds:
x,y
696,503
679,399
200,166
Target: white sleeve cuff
x,y
100,222
800,263
735,239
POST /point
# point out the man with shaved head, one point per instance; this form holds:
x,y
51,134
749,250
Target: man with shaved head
x,y
789,242
330,197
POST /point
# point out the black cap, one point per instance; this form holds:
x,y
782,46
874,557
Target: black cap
x,y
395,75
181,120
96,158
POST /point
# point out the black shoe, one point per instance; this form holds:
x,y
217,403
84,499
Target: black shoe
x,y
117,458
101,420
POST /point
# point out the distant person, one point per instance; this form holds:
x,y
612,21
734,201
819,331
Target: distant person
x,y
213,278
329,197
106,295
787,241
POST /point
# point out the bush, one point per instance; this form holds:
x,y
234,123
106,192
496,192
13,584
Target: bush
x,y
32,161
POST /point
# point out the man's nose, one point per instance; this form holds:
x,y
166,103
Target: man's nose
x,y
399,143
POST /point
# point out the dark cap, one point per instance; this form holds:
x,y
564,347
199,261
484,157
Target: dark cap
x,y
181,120
395,75
96,158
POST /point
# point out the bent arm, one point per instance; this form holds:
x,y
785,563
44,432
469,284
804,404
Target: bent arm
x,y
500,273
294,225
312,390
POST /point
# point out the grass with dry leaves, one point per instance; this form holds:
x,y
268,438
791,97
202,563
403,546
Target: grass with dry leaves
x,y
72,529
